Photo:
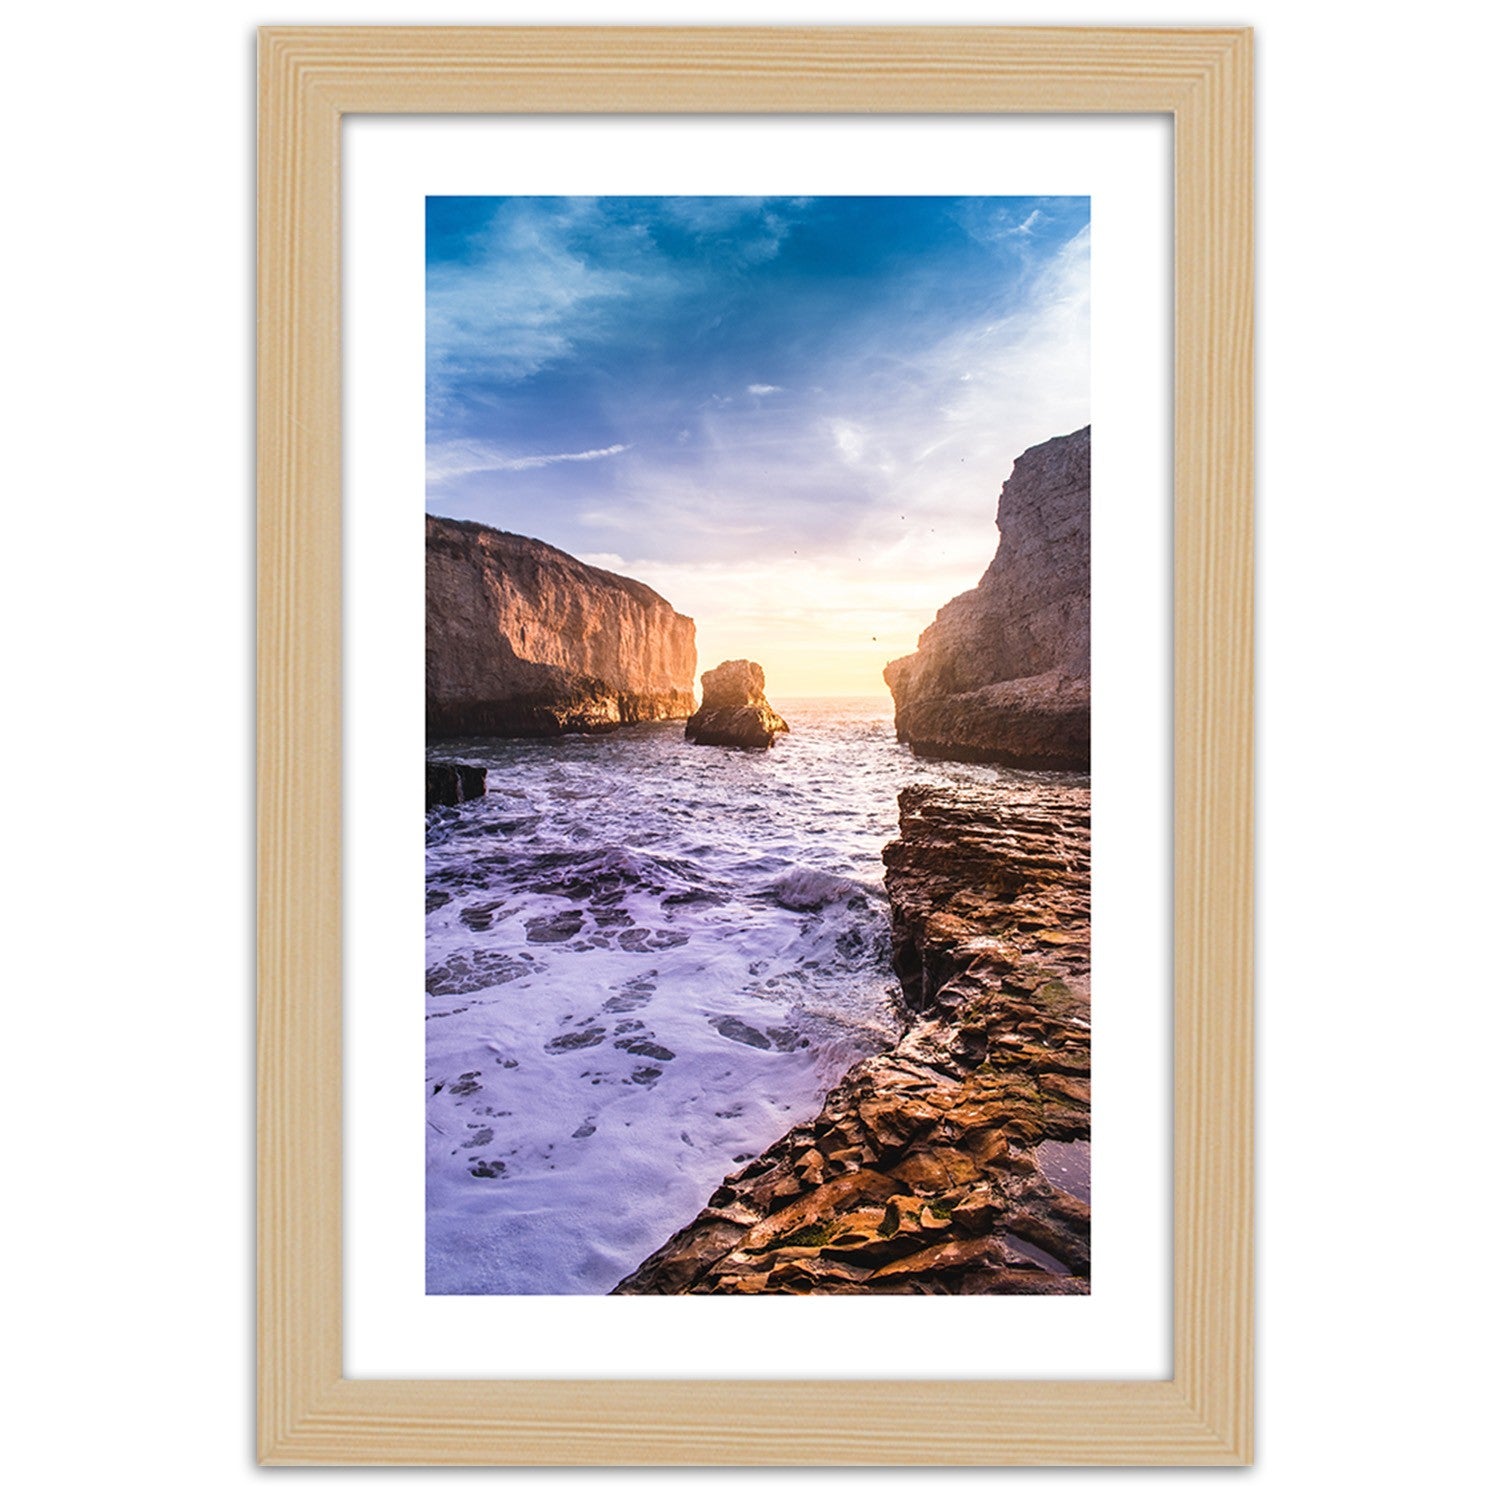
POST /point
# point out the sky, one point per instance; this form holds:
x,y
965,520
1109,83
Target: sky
x,y
789,416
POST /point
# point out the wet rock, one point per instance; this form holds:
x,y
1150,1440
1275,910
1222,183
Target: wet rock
x,y
573,1041
645,1047
451,782
921,1173
734,710
472,969
481,916
1065,1164
554,929
1003,673
732,1029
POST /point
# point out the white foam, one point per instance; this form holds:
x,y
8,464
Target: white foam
x,y
651,960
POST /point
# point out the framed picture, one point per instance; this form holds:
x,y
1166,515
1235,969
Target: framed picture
x,y
681,1042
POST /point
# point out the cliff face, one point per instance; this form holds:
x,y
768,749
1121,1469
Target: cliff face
x,y
1002,674
958,1160
524,640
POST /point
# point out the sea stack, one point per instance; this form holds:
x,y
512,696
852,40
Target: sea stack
x,y
1002,674
524,640
734,710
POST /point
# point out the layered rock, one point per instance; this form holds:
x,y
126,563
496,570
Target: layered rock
x,y
957,1160
524,640
735,710
1002,674
450,782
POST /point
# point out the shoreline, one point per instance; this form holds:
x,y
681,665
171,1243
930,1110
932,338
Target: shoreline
x,y
956,1161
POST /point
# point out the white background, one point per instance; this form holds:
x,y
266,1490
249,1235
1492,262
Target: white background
x,y
127,595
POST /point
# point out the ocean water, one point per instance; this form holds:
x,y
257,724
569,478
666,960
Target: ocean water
x,y
646,961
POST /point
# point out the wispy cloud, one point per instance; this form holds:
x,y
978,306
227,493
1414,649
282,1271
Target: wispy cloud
x,y
927,344
859,529
545,278
849,438
524,298
541,460
454,460
757,225
1026,226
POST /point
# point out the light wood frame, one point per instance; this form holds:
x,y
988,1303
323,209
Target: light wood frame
x,y
309,1413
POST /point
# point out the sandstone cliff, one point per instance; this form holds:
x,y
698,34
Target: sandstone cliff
x,y
524,640
956,1161
735,711
1002,674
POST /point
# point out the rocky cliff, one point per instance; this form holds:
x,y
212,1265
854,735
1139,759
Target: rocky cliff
x,y
1002,674
735,711
958,1160
524,640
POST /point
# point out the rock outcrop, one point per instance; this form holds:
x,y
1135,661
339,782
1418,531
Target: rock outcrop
x,y
524,640
450,782
735,711
956,1161
1002,674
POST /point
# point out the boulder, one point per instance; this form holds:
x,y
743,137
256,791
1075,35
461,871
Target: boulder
x,y
734,709
451,782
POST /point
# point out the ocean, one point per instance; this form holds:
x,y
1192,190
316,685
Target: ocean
x,y
646,961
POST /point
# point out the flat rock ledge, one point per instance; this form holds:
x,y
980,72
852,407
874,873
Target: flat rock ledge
x,y
451,782
734,710
957,1160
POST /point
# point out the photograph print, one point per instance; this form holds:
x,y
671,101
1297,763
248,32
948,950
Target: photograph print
x,y
757,746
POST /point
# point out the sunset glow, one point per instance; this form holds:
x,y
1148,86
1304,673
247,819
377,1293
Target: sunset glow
x,y
790,417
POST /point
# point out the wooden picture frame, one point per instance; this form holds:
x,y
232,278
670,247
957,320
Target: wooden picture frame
x,y
309,1413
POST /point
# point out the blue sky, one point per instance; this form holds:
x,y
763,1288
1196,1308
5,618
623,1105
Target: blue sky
x,y
791,416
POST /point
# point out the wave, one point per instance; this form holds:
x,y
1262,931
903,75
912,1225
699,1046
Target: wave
x,y
645,961
802,889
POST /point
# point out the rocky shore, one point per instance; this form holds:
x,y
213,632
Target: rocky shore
x,y
957,1160
524,640
1003,673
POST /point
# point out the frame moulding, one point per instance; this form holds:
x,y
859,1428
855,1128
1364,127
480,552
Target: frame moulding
x,y
308,1413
